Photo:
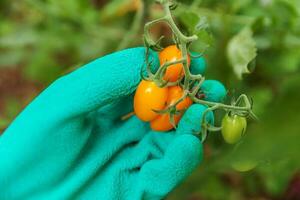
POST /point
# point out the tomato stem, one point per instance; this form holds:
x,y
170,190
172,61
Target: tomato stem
x,y
242,106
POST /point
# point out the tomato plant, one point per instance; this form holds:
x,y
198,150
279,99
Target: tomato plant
x,y
233,128
149,97
163,121
164,108
175,71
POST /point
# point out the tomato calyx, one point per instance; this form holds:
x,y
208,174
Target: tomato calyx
x,y
172,112
177,103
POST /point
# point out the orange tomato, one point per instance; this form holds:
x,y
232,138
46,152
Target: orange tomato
x,y
149,96
169,54
162,122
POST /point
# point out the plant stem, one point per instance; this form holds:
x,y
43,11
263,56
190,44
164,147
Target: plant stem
x,y
220,105
188,85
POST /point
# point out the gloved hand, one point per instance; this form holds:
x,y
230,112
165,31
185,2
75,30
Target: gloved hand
x,y
70,143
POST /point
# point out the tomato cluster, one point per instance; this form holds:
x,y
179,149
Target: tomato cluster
x,y
150,98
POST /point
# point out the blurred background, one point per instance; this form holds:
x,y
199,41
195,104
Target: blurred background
x,y
41,40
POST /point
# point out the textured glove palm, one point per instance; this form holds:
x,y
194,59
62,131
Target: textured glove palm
x,y
70,143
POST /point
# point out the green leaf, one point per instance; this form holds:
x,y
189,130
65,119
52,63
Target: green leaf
x,y
199,26
205,39
189,20
241,50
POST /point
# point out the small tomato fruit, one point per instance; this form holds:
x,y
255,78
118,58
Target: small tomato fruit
x,y
233,127
149,97
162,122
169,54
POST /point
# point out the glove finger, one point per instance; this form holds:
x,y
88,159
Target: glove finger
x,y
72,161
158,177
98,83
213,90
191,121
198,65
154,144
181,155
151,146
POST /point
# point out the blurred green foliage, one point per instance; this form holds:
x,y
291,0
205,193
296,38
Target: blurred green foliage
x,y
43,39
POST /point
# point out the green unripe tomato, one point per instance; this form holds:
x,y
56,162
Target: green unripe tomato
x,y
233,127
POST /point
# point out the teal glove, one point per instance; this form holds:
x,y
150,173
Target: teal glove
x,y
70,143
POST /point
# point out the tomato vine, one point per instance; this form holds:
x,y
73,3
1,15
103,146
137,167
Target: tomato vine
x,y
242,106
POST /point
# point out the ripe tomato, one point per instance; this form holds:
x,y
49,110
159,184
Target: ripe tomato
x,y
162,122
233,127
174,94
149,96
168,54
